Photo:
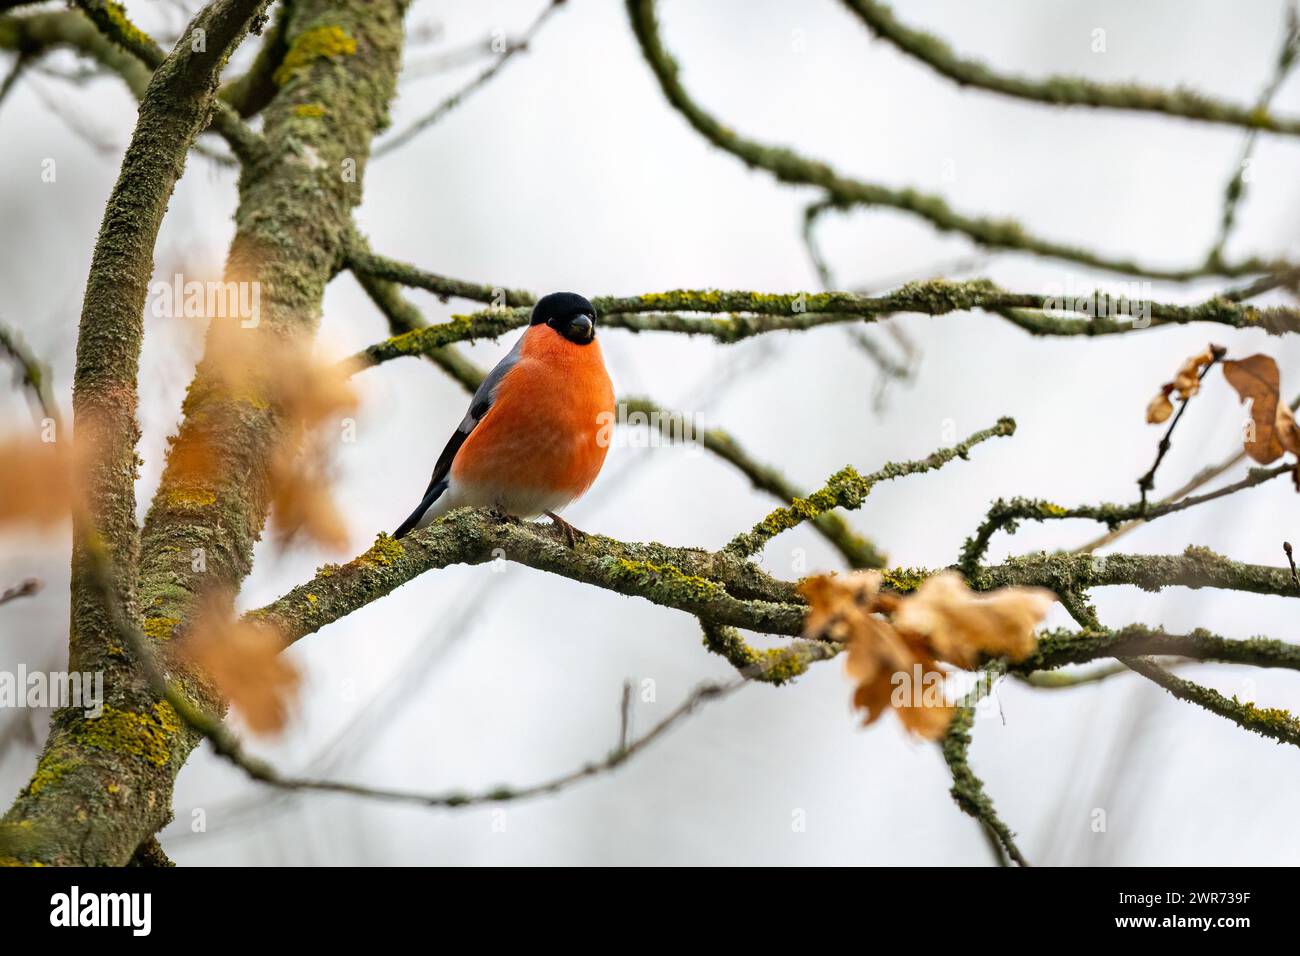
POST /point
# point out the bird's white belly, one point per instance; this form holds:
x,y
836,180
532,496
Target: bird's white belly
x,y
512,499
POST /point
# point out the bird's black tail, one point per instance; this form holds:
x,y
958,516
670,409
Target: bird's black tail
x,y
433,494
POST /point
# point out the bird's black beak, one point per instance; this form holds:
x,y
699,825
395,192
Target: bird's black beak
x,y
581,328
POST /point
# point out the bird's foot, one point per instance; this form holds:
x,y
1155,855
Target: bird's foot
x,y
571,534
503,517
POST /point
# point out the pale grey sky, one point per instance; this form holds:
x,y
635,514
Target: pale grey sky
x,y
571,172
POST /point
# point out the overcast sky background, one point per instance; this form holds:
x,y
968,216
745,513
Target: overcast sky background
x,y
571,172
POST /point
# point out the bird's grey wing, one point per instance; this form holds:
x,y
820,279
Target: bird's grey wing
x,y
478,407
483,398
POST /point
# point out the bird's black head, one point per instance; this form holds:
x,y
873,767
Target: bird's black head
x,y
569,314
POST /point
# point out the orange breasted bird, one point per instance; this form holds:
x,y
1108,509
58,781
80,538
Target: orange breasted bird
x,y
538,427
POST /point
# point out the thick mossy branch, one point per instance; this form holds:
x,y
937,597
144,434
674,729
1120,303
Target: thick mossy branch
x,y
791,167
1063,90
848,489
110,17
299,186
1076,573
724,588
1059,648
134,737
174,109
713,586
293,223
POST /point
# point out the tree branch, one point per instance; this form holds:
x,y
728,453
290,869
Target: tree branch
x,y
788,166
1063,90
1005,514
291,248
1270,722
450,103
848,489
758,313
710,585
967,788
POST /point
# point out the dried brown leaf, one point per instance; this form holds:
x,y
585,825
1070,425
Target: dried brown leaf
x,y
963,626
1256,380
37,482
898,663
312,399
1187,381
1159,409
245,663
888,669
1288,434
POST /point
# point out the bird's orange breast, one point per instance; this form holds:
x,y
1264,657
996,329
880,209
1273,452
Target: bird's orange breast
x,y
550,423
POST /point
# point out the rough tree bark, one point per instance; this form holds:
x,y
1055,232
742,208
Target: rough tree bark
x,y
102,788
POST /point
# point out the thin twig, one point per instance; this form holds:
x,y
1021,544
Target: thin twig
x,y
936,53
34,375
1236,187
967,788
625,716
1004,514
1200,479
26,589
15,71
1147,481
789,166
451,102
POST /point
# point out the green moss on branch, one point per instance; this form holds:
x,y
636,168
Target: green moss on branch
x,y
848,489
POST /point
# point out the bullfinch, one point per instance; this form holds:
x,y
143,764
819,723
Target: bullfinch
x,y
538,427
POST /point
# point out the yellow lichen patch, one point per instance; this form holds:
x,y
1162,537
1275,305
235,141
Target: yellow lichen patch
x,y
147,735
781,664
309,110
250,398
49,770
312,45
312,599
384,552
674,299
902,580
191,498
674,579
160,628
117,16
